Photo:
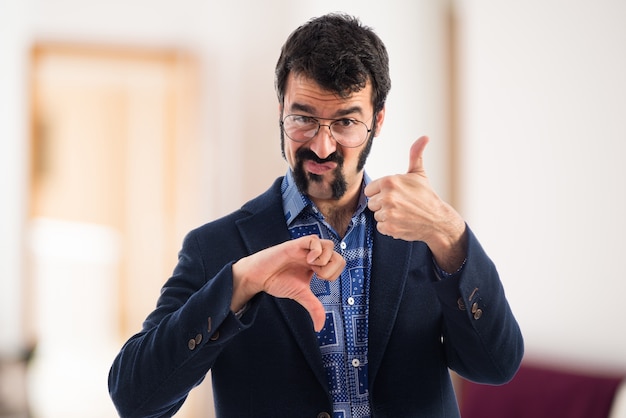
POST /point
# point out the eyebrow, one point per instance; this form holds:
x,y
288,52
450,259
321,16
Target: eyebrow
x,y
299,107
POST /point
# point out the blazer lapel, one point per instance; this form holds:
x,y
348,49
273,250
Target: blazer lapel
x,y
266,227
391,259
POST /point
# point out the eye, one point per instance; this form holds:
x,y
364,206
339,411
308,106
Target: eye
x,y
303,120
345,123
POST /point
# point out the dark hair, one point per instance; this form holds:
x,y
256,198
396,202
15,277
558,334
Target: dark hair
x,y
338,53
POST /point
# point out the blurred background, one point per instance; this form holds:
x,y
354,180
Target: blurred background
x,y
123,124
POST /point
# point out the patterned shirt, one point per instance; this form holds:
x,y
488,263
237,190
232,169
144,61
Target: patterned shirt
x,y
343,341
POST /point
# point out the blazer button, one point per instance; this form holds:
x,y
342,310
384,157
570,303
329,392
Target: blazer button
x,y
194,342
191,344
215,336
478,313
460,304
323,415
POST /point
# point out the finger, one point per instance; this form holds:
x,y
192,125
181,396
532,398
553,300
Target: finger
x,y
375,203
372,188
332,269
320,251
313,245
379,216
416,160
323,258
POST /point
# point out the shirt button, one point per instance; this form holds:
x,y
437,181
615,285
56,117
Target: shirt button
x,y
356,362
343,245
350,301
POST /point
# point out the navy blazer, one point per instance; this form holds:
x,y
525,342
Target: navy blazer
x,y
268,362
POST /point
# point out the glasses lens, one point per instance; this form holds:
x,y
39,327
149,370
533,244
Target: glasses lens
x,y
300,128
349,132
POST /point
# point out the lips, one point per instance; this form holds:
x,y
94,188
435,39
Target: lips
x,y
319,168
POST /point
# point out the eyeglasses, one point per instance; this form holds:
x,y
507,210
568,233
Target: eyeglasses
x,y
348,132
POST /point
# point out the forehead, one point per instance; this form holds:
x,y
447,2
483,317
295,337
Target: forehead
x,y
304,95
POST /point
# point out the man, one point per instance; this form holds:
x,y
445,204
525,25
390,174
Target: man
x,y
329,294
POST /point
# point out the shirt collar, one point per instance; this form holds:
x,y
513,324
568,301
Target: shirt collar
x,y
294,202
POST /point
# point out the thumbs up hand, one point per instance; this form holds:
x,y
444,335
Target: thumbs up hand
x,y
406,207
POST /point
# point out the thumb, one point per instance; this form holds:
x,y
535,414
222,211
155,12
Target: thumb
x,y
416,163
315,308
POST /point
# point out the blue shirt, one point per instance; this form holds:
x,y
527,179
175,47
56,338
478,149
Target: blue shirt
x,y
343,341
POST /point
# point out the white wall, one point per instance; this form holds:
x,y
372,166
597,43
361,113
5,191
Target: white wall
x,y
13,123
543,177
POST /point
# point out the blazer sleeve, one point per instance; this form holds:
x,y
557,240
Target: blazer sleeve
x,y
180,340
482,338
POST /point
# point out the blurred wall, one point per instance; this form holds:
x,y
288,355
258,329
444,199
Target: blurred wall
x,y
543,179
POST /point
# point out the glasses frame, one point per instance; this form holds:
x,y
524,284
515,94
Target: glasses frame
x,y
319,126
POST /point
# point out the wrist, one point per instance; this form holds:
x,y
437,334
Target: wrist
x,y
242,291
449,245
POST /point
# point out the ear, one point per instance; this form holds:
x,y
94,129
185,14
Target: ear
x,y
380,118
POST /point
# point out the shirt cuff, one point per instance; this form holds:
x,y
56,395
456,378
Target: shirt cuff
x,y
443,275
241,311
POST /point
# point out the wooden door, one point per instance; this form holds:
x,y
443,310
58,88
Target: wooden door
x,y
113,160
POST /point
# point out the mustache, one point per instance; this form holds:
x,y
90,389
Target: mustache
x,y
306,154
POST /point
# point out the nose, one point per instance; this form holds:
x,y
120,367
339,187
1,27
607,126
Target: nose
x,y
323,144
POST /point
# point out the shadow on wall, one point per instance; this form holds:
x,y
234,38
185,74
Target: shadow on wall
x,y
13,383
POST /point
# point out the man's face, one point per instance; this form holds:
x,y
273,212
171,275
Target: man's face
x,y
324,169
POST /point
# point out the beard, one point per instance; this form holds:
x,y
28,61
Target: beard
x,y
338,186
